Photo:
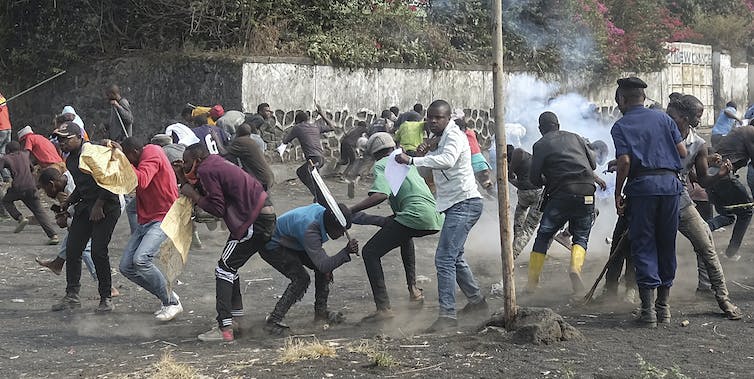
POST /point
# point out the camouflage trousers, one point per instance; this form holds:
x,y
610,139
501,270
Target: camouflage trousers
x,y
526,218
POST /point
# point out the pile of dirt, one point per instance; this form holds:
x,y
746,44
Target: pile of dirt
x,y
532,325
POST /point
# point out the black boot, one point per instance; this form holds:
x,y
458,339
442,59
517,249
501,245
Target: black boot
x,y
648,317
661,305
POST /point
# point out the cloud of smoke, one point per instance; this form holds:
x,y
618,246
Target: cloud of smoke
x,y
526,98
546,24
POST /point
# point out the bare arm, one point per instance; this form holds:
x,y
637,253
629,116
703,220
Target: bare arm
x,y
328,120
681,147
374,199
624,165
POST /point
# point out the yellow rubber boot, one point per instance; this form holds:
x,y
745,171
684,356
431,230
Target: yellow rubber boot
x,y
536,262
578,255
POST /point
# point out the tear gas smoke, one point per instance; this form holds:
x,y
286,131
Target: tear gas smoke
x,y
526,98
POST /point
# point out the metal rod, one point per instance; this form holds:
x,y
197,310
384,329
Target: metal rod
x,y
31,88
506,240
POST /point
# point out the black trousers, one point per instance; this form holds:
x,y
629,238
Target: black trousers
x,y
390,236
31,199
291,264
79,233
304,173
623,254
347,152
228,302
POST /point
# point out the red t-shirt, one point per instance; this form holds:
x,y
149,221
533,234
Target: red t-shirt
x,y
473,143
157,188
4,116
42,149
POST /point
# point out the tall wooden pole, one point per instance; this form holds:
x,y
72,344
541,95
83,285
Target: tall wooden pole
x,y
506,238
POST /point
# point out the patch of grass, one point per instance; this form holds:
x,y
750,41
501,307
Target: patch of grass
x,y
649,371
379,358
297,350
169,368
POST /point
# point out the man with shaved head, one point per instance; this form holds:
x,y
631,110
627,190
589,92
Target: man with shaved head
x,y
564,164
459,199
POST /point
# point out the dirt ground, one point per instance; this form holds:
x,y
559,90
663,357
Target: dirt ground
x,y
35,342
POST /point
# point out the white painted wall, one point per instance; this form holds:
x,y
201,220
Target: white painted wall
x,y
692,69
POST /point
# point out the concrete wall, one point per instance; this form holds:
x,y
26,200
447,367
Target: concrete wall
x,y
349,96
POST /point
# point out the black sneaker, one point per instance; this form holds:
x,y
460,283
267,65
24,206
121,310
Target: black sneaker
x,y
472,308
105,305
69,301
442,324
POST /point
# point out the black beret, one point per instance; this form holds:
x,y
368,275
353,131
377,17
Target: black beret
x,y
632,82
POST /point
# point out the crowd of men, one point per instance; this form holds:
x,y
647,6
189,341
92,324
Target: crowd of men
x,y
216,160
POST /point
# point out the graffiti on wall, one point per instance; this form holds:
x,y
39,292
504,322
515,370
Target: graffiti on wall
x,y
480,120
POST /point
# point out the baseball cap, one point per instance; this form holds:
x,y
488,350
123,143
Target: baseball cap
x,y
216,111
379,141
68,130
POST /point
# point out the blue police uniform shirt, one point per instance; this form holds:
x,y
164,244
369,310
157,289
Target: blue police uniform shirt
x,y
649,138
724,124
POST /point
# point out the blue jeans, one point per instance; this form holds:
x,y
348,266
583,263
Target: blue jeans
x,y
137,262
86,256
133,220
562,208
449,262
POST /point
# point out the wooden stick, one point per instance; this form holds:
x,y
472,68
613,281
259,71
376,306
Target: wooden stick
x,y
613,256
506,230
418,369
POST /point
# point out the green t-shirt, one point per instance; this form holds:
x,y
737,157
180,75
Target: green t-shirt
x,y
413,206
410,135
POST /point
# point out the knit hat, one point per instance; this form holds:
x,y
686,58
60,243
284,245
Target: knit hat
x,y
24,131
174,151
379,141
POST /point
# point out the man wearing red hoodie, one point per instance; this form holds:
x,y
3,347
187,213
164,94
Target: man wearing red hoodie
x,y
155,193
226,191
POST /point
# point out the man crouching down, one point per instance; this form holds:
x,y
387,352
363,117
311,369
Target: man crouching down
x,y
297,242
226,191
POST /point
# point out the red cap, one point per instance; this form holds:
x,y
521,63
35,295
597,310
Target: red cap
x,y
216,112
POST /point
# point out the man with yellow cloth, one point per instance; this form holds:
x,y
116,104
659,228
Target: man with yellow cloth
x,y
99,178
562,162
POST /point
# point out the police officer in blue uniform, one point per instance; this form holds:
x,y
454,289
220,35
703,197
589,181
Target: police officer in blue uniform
x,y
649,148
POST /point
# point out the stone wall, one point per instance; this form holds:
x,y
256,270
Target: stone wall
x,y
349,96
157,87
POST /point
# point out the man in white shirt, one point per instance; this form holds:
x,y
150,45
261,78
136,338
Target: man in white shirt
x,y
457,197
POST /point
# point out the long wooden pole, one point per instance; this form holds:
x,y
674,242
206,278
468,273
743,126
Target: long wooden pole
x,y
506,240
31,88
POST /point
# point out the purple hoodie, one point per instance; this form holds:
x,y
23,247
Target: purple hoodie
x,y
231,193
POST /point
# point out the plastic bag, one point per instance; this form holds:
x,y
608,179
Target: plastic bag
x,y
109,167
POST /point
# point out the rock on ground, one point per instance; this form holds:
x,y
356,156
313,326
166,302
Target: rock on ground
x,y
535,326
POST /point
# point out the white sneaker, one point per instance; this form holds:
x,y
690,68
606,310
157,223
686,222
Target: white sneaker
x,y
162,307
169,312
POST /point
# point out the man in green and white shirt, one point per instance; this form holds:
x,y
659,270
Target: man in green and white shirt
x,y
415,215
